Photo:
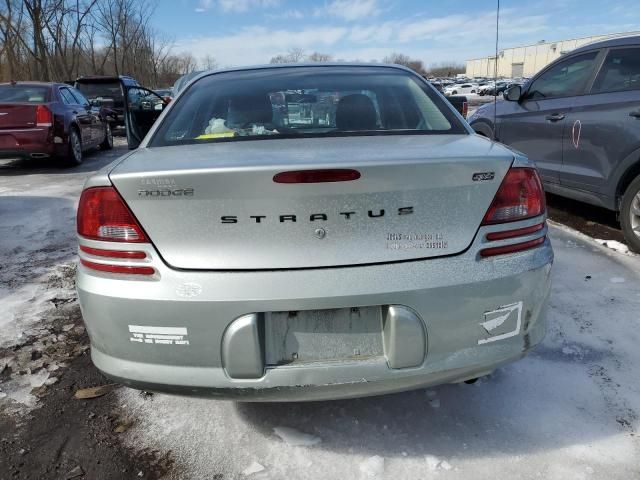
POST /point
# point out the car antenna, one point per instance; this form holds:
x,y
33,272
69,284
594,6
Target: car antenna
x,y
495,74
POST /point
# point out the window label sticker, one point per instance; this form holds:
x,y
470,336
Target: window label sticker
x,y
502,316
158,335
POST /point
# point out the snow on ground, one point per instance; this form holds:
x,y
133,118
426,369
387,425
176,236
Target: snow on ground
x,y
37,270
569,410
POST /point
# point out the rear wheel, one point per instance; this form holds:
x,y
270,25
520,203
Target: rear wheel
x,y
630,215
107,143
74,149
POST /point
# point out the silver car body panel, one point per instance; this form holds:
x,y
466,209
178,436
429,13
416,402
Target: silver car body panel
x,y
452,296
406,181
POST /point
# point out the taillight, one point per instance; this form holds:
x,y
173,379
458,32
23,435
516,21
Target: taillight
x,y
317,176
126,269
103,215
465,109
516,247
44,117
99,252
519,197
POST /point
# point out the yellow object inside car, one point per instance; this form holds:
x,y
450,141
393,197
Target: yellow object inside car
x,y
205,136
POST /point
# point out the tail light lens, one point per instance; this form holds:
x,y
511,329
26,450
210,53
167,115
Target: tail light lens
x,y
44,117
465,109
126,269
519,197
317,176
103,215
98,252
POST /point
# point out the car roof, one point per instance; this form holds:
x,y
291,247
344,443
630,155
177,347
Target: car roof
x,y
611,42
270,66
37,84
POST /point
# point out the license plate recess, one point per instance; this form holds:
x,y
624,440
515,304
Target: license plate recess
x,y
323,335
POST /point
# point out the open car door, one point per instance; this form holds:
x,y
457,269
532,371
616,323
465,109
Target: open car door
x,y
141,108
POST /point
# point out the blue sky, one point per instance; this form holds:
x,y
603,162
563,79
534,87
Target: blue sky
x,y
242,32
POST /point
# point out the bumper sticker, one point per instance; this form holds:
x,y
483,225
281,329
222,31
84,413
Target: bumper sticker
x,y
496,318
158,335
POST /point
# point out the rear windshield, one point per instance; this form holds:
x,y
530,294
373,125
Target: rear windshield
x,y
103,89
305,101
24,93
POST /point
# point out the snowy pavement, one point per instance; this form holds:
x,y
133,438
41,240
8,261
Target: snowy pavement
x,y
570,410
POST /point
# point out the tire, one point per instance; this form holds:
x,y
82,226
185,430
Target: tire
x,y
630,215
74,148
454,93
107,143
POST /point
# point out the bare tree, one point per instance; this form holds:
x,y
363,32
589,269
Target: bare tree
x,y
319,57
64,39
208,62
405,60
446,69
294,55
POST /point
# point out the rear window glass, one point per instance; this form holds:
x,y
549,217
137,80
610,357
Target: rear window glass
x,y
24,93
305,101
103,90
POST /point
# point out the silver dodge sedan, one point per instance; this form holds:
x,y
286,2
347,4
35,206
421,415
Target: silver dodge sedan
x,y
310,232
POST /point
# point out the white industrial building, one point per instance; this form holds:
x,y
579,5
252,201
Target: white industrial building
x,y
525,61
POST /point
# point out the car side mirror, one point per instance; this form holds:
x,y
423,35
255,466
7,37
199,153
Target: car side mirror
x,y
513,93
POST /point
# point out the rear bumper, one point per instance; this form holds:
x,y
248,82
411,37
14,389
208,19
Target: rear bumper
x,y
450,295
27,143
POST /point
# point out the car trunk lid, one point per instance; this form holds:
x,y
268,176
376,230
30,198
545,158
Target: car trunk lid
x,y
216,206
17,115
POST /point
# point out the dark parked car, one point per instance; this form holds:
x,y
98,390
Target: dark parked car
x,y
579,120
106,91
40,120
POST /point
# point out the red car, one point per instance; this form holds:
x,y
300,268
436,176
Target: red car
x,y
41,120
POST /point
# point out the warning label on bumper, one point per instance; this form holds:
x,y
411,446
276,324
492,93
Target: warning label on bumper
x,y
158,335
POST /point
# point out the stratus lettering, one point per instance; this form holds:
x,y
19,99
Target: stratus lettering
x,y
314,217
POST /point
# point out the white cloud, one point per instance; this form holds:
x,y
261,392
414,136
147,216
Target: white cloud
x,y
350,9
286,15
431,39
203,6
245,5
236,5
256,45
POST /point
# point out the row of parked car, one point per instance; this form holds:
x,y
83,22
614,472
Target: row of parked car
x,y
476,87
64,120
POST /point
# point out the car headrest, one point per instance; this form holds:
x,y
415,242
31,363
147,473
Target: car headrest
x,y
245,110
356,112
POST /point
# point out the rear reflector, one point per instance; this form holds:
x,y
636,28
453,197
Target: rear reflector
x,y
98,252
516,247
518,232
103,215
317,176
519,197
44,117
131,270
